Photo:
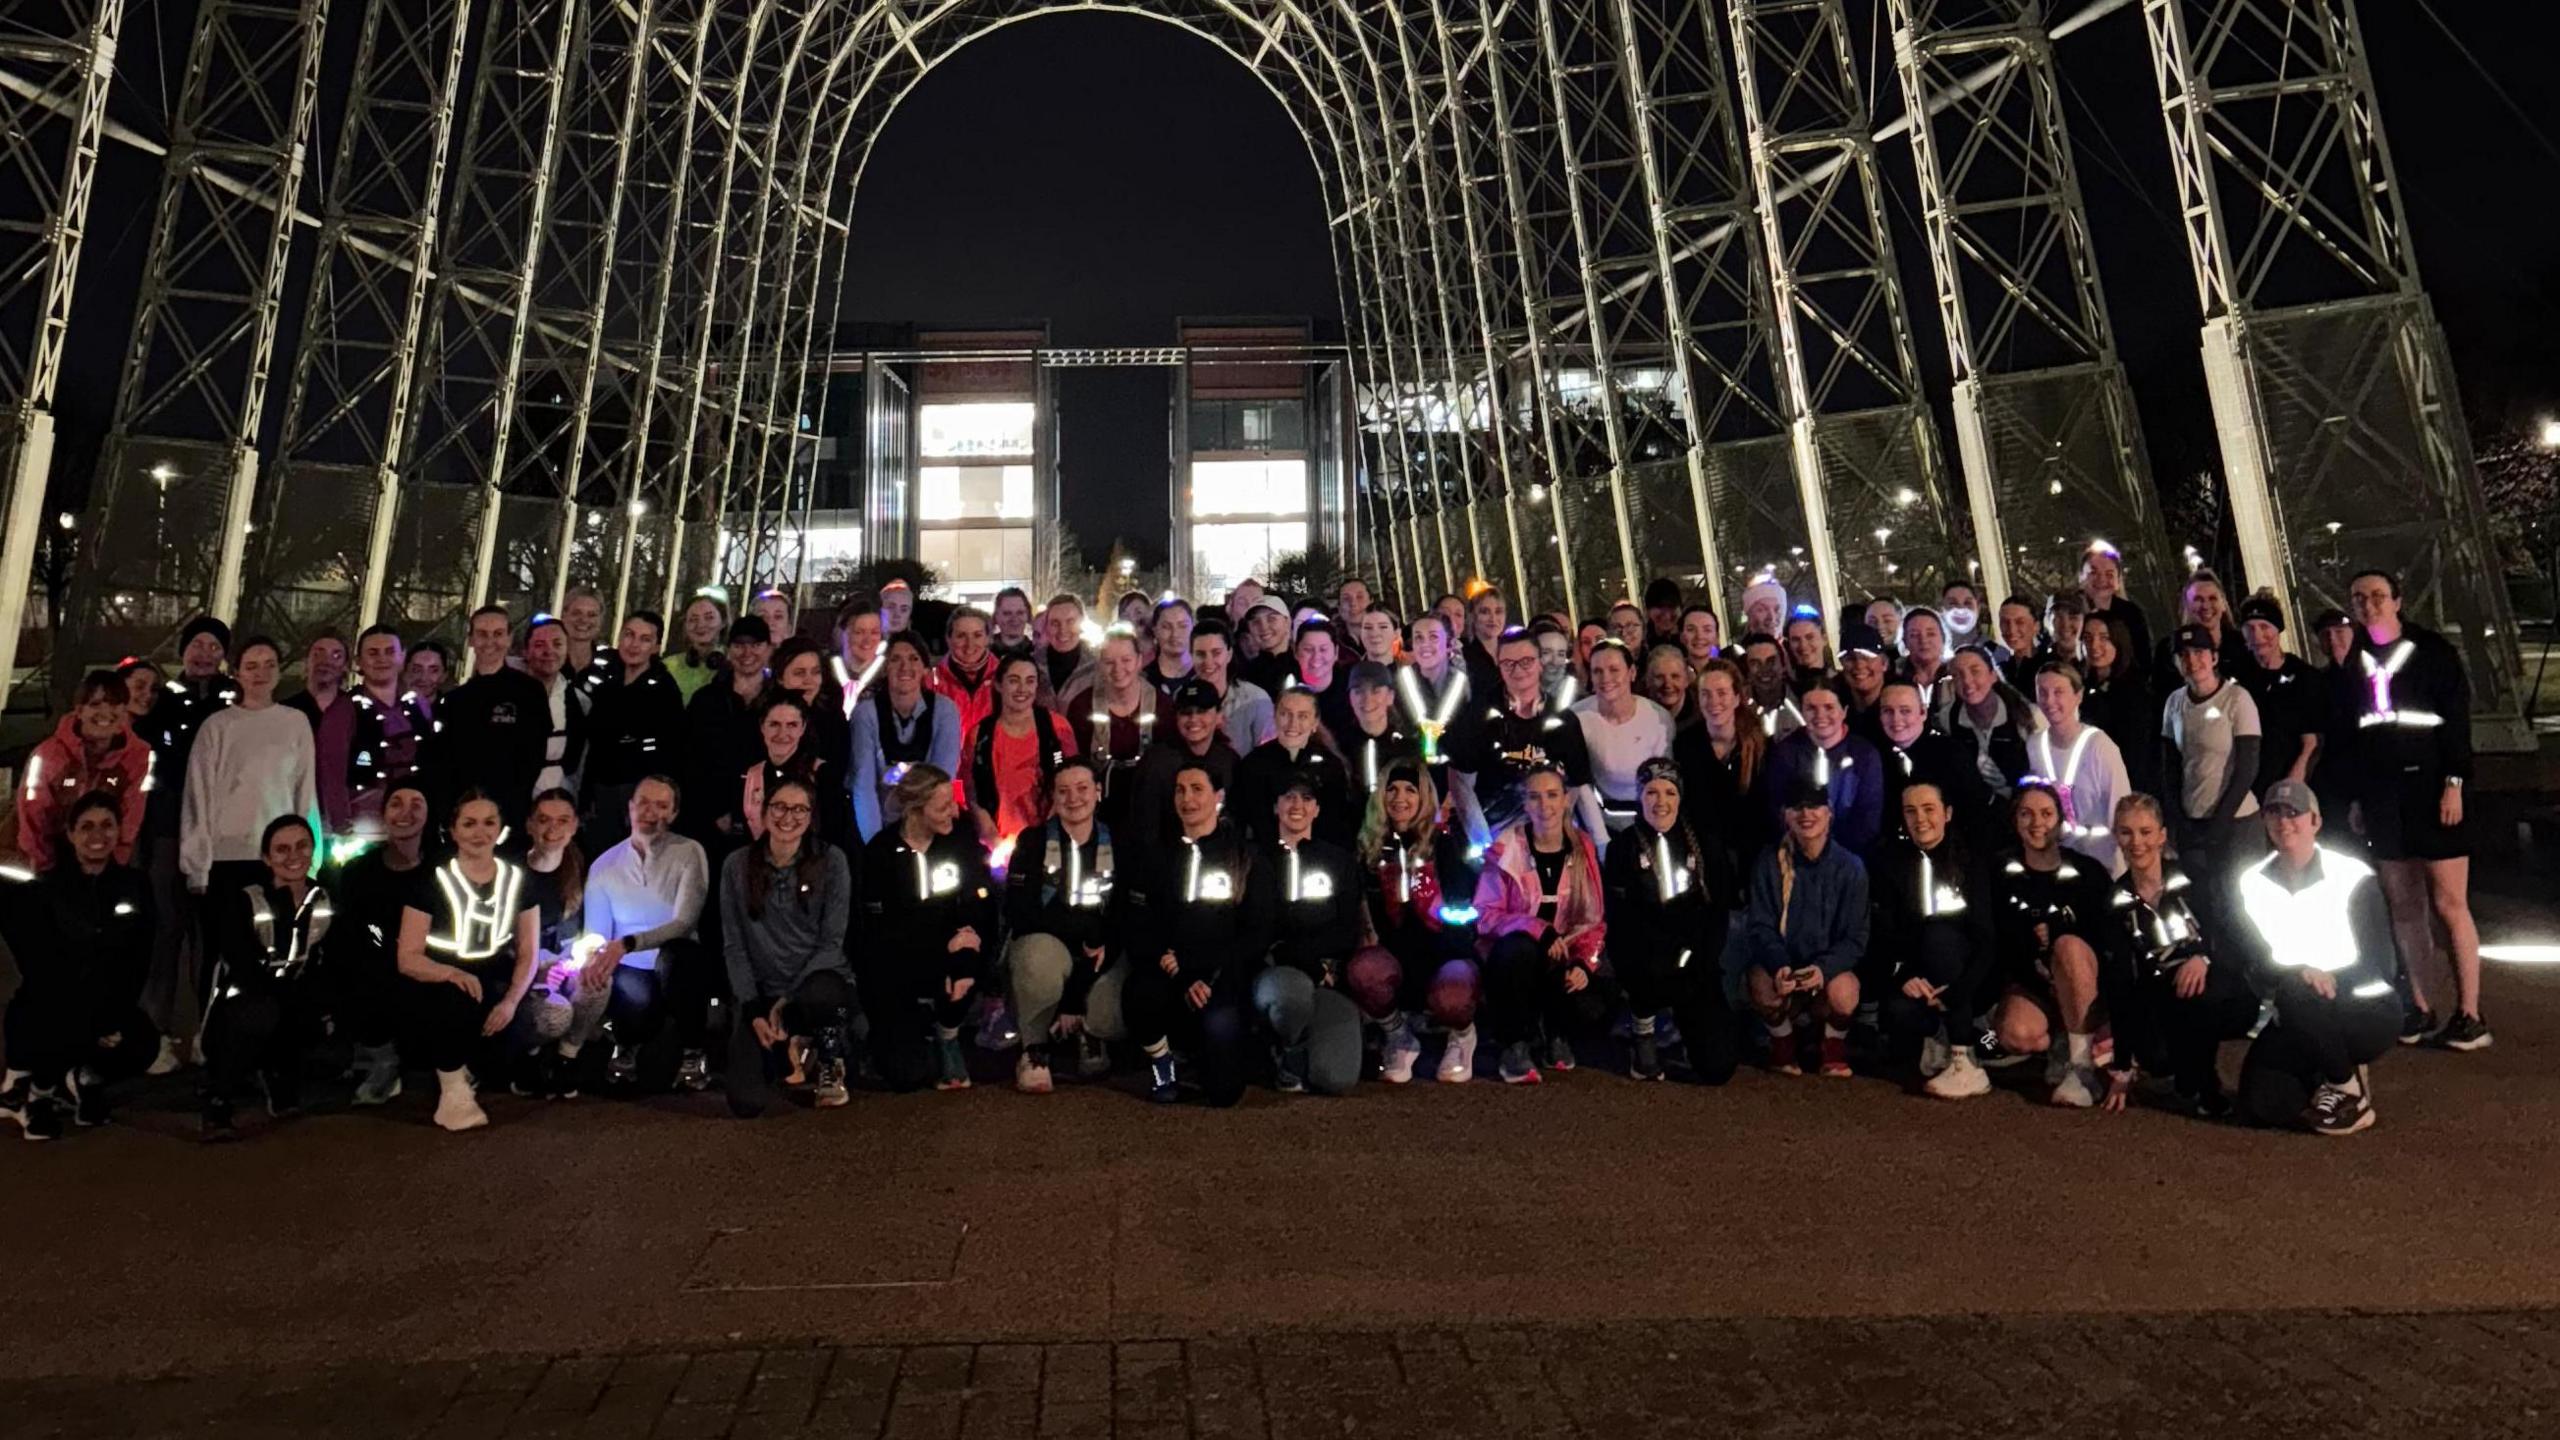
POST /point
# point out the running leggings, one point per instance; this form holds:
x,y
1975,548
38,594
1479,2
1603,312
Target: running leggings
x,y
2313,1041
1524,989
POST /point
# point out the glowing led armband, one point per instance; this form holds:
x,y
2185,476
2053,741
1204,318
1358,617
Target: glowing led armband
x,y
1454,913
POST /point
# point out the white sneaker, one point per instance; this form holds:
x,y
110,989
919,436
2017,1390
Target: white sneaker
x,y
167,1061
456,1107
2079,1088
1934,1053
1396,1062
1458,1062
1031,1074
1960,1078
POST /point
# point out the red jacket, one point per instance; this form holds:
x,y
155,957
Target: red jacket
x,y
58,773
974,703
1507,896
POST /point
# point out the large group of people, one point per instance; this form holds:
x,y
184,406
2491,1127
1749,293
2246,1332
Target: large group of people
x,y
1300,841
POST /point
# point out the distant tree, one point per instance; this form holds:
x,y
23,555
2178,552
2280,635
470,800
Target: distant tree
x,y
2520,484
873,573
1307,574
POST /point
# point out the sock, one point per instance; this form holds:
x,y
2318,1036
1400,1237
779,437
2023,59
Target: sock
x,y
569,1049
1833,1030
1159,1049
1781,1029
1394,1025
1644,1024
2080,1049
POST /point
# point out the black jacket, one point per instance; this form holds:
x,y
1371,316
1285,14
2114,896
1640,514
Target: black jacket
x,y
635,729
1207,901
1147,828
170,730
720,740
1730,818
913,902
1938,759
262,941
79,935
1658,919
1958,894
1258,780
2076,899
1055,887
500,724
1315,924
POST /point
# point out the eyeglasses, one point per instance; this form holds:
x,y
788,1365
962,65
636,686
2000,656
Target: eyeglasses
x,y
1519,663
780,808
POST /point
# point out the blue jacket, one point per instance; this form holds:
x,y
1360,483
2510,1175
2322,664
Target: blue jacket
x,y
1854,779
868,770
1822,920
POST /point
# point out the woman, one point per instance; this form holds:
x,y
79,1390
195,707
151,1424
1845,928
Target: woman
x,y
900,724
364,966
2204,602
2209,741
2171,999
1138,613
1883,614
2082,764
636,729
1995,722
1621,729
1114,720
1701,635
1012,754
1381,635
1924,655
1420,958
264,1014
2117,699
2054,906
1668,680
782,732
786,903
1316,652
775,609
1585,635
1170,626
931,912
469,937
1721,759
252,762
93,751
1808,651
141,687
1668,911
81,933
1539,929
800,669
2102,581
556,879
705,626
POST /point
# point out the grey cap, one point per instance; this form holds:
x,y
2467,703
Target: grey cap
x,y
2291,795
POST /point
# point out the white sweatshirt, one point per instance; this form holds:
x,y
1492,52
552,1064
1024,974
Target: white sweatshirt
x,y
247,768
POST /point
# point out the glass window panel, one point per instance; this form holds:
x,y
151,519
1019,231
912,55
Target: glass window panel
x,y
1223,555
977,563
996,428
1249,487
974,492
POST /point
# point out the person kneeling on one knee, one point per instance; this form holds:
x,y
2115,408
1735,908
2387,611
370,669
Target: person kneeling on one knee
x,y
1063,914
1315,930
2054,905
1803,934
931,911
2325,934
785,903
1667,917
1933,922
2175,991
1201,920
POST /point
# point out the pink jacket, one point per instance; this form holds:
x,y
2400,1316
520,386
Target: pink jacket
x,y
1507,896
58,772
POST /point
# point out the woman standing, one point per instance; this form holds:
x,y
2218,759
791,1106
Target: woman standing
x,y
782,733
1539,928
1667,918
1700,635
469,937
93,751
1114,719
2081,762
1721,759
705,627
2102,581
1421,955
932,912
82,936
1012,755
1667,681
1924,655
264,1013
1991,720
1621,729
253,761
899,725
786,902
800,669
2117,699
635,730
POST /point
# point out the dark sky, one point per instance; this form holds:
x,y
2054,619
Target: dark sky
x,y
1110,173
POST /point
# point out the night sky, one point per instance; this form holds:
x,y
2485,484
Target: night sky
x,y
1110,173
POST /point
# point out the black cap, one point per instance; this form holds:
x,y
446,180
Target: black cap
x,y
2262,607
1857,637
1195,695
2332,618
1295,781
1805,792
750,627
1662,593
2193,637
1372,675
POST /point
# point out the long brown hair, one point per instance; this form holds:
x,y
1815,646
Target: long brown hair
x,y
808,868
1750,742
572,873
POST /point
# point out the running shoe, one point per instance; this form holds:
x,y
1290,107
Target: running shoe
x,y
559,1077
1289,1071
2211,1103
42,1119
1517,1067
1092,1056
168,1060
1458,1059
1560,1055
2465,1032
2340,1109
1031,1071
213,1125
621,1066
2417,1022
2079,1087
1164,1080
1644,1060
1396,1059
456,1107
379,1069
693,1072
829,1091
1835,1056
88,1098
1961,1079
955,1065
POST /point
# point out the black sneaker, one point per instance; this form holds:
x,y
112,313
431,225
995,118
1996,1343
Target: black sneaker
x,y
88,1099
284,1095
2416,1023
214,1127
2210,1104
622,1066
2464,1032
559,1077
41,1116
1164,1080
1645,1063
2338,1110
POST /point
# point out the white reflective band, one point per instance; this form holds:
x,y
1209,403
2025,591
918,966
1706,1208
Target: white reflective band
x,y
932,879
1937,899
481,928
2306,929
124,907
1670,881
35,769
2371,989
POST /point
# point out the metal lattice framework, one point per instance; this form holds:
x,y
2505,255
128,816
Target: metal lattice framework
x,y
1619,297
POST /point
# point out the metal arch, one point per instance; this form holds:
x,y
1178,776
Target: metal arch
x,y
213,280
357,359
2044,416
54,151
1866,447
2342,435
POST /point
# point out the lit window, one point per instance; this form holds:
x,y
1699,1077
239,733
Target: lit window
x,y
973,492
1249,487
982,560
1225,554
963,431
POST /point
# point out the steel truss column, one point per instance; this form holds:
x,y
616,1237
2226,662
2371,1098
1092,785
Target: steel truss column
x,y
195,379
346,416
465,410
1866,449
1712,281
2342,435
1612,231
2045,424
49,149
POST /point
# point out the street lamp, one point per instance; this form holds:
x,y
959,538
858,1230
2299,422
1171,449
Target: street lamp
x,y
2549,436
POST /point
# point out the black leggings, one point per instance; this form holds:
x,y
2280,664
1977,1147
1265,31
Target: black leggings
x,y
51,1033
2187,1035
266,1032
444,1025
1694,994
908,1008
819,1010
1524,989
1943,957
1218,1037
2313,1042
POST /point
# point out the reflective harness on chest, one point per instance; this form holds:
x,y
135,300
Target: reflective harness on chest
x,y
1431,723
2382,706
2061,779
482,925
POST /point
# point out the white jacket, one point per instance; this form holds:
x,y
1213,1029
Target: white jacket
x,y
247,768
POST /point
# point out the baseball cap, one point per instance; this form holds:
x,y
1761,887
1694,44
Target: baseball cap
x,y
1371,675
1297,782
750,628
2332,618
2194,637
1804,793
1267,603
1195,694
2291,795
1857,637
